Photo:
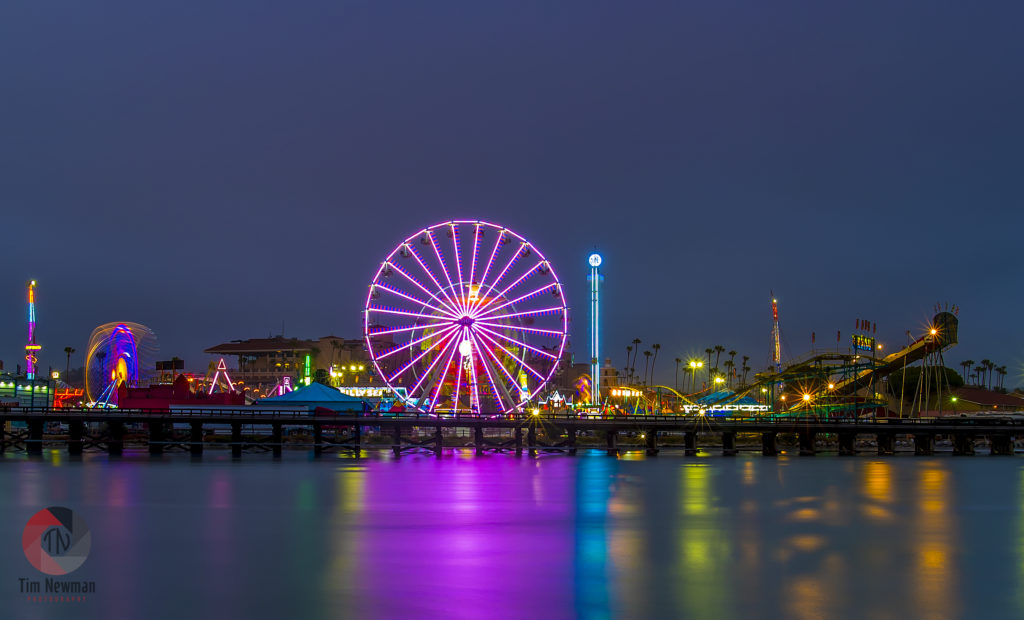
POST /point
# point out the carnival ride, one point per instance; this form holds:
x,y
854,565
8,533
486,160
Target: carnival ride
x,y
822,383
118,353
468,316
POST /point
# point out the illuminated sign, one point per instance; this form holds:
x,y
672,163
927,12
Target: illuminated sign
x,y
372,392
726,409
863,343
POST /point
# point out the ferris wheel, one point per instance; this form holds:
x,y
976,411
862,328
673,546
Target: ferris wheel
x,y
467,317
118,353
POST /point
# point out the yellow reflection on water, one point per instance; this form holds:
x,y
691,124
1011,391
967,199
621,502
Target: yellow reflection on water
x,y
877,483
705,547
933,580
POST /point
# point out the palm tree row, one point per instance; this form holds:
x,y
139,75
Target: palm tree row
x,y
982,371
651,360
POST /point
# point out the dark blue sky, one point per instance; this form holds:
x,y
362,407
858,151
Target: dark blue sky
x,y
213,168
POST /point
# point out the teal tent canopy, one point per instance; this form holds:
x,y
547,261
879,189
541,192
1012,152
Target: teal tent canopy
x,y
312,396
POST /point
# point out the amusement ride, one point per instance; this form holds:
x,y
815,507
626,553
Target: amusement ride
x,y
119,353
468,317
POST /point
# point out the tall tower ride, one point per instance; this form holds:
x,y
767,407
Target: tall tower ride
x,y
595,278
776,336
31,347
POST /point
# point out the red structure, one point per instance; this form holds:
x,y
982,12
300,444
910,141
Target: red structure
x,y
178,393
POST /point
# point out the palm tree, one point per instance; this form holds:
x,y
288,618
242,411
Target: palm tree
x,y
746,358
991,367
729,364
963,365
629,349
1002,375
732,358
677,374
719,349
709,352
983,365
647,361
636,349
970,367
67,368
656,348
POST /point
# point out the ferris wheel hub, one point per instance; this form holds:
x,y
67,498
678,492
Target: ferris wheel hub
x,y
465,321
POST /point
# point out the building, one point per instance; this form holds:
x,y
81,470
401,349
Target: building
x,y
17,391
265,362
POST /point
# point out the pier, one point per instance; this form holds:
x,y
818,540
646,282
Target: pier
x,y
80,430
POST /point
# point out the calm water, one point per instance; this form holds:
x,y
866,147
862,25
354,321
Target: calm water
x,y
500,536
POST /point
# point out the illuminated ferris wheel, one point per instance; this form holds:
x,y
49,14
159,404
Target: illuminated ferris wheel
x,y
468,317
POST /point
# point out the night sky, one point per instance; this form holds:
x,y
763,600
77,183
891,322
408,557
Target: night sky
x,y
213,168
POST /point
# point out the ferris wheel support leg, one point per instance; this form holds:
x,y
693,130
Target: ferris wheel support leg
x,y
438,441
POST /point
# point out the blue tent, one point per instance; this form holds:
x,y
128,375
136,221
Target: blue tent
x,y
312,396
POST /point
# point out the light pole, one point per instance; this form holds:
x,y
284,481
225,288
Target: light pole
x,y
694,365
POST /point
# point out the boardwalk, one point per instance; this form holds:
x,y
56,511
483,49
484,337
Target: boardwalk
x,y
84,429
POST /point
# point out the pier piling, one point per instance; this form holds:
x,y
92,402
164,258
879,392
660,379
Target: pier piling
x,y
729,443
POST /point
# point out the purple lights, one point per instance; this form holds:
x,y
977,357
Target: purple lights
x,y
462,335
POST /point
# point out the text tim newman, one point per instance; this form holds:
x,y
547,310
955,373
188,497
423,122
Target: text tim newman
x,y
56,586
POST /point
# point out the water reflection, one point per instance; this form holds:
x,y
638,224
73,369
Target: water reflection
x,y
500,536
932,578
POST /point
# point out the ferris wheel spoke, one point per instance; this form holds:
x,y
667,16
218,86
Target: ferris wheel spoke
x,y
430,274
403,313
490,261
512,302
409,345
407,328
472,262
461,295
543,311
452,342
451,309
522,361
517,342
414,299
434,389
491,287
458,386
419,357
504,389
491,298
535,330
444,267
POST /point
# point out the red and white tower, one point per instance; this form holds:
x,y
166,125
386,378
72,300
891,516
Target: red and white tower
x,y
776,336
